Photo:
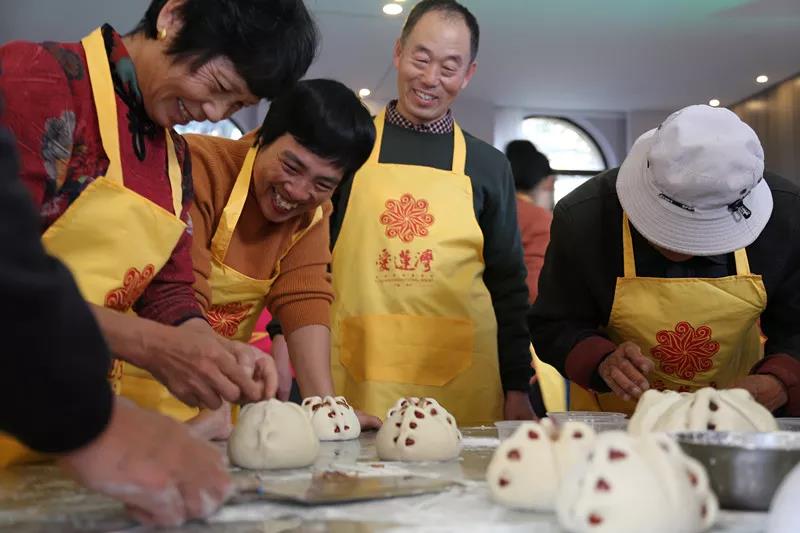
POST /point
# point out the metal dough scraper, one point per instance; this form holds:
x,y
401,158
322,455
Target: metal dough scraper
x,y
329,488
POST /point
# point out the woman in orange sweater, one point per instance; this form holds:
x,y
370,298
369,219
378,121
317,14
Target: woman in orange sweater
x,y
260,220
534,182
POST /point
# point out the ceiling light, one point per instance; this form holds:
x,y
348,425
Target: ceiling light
x,y
392,9
713,102
762,79
363,93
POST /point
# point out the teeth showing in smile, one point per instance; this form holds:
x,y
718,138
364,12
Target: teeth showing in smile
x,y
282,203
424,96
185,112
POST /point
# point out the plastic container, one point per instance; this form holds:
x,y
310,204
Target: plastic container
x,y
596,420
506,428
789,424
599,421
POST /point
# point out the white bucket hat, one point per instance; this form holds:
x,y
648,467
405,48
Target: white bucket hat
x,y
695,184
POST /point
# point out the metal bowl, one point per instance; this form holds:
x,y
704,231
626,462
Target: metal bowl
x,y
744,469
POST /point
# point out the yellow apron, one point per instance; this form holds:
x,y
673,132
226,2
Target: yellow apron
x,y
237,300
699,332
111,268
552,384
412,316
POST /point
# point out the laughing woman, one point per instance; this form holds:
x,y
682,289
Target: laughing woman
x,y
112,183
261,220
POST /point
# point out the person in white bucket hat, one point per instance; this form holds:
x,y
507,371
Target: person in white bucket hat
x,y
679,270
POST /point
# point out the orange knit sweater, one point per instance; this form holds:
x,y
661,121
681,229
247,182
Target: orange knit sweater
x,y
302,293
534,230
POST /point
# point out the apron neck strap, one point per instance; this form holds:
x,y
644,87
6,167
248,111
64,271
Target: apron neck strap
x,y
375,155
742,263
459,150
175,174
233,209
628,262
104,101
459,144
106,105
296,236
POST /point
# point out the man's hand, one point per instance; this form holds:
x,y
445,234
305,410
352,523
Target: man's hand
x,y
367,421
625,371
202,369
518,406
765,388
152,464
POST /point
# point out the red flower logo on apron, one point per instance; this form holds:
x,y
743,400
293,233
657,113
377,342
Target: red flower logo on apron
x,y
406,218
225,318
133,285
122,299
686,351
660,385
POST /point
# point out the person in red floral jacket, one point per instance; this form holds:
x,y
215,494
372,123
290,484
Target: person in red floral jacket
x,y
93,123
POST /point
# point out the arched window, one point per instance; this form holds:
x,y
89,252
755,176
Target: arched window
x,y
224,128
574,155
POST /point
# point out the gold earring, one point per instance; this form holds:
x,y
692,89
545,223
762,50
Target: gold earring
x,y
162,34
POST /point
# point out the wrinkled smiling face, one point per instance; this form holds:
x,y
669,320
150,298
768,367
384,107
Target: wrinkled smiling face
x,y
290,180
433,66
176,95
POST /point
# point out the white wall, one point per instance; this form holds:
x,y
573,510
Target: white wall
x,y
638,122
250,118
477,117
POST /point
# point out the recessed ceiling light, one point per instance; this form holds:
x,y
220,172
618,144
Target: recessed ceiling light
x,y
762,79
713,102
363,93
392,9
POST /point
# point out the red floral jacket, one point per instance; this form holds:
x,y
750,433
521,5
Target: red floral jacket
x,y
47,104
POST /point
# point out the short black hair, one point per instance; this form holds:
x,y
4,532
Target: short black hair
x,y
271,43
528,164
325,117
447,8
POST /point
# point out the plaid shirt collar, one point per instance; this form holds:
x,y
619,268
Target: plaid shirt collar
x,y
441,126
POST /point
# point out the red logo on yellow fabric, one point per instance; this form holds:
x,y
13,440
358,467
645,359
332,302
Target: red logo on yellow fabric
x,y
226,318
406,218
405,260
133,285
686,351
660,385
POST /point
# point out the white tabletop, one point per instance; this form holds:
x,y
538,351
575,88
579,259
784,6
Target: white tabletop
x,y
39,498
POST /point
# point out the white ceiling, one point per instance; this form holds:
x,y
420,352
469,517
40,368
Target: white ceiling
x,y
612,55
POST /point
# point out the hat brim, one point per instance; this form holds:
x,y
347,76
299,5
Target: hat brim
x,y
678,229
